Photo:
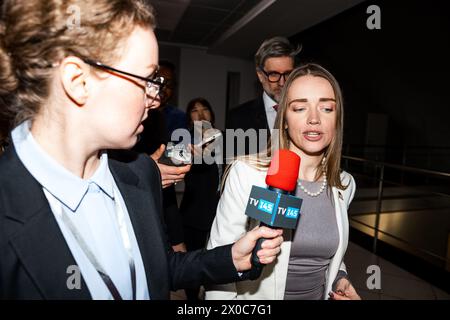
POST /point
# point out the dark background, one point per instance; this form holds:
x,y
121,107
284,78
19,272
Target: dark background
x,y
400,72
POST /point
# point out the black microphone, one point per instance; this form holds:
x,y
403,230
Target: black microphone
x,y
274,206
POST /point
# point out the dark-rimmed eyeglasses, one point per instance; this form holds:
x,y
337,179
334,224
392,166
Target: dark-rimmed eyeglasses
x,y
153,85
274,76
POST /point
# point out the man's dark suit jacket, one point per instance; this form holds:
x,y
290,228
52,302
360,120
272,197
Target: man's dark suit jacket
x,y
249,115
200,198
34,256
156,133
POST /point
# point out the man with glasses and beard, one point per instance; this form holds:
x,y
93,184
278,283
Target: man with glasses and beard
x,y
274,61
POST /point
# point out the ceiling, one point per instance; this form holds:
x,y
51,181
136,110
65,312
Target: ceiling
x,y
237,27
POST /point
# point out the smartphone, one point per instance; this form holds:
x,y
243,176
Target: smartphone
x,y
209,139
176,155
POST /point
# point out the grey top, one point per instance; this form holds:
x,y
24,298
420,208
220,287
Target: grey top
x,y
314,243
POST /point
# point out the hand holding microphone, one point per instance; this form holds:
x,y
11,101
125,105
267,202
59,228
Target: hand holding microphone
x,y
242,249
274,207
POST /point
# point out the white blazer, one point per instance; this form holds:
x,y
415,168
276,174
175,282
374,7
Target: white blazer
x,y
231,223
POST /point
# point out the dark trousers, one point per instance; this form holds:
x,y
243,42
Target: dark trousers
x,y
194,239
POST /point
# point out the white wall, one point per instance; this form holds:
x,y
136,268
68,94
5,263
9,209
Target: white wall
x,y
203,75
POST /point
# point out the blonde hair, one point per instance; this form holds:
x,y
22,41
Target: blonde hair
x,y
281,139
36,34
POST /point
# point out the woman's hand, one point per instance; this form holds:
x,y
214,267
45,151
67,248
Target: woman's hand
x,y
344,291
242,249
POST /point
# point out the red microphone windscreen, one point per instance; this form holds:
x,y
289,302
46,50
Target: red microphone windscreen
x,y
283,170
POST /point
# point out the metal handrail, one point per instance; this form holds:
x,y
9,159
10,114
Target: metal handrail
x,y
408,243
382,166
398,166
397,147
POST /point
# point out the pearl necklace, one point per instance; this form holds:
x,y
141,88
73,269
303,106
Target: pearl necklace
x,y
322,187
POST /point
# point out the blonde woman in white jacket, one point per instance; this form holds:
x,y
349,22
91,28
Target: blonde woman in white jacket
x,y
310,265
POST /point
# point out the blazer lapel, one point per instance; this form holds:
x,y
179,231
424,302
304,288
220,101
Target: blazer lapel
x,y
36,237
143,214
45,255
340,211
261,117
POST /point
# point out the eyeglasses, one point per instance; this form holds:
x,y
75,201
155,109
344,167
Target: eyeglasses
x,y
153,85
274,76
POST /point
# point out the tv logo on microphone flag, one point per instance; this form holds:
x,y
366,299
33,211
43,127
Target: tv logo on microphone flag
x,y
265,206
292,213
274,209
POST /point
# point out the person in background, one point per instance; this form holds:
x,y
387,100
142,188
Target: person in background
x,y
75,223
174,117
201,193
158,128
311,263
274,61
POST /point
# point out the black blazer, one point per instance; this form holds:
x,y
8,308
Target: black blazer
x,y
34,256
249,115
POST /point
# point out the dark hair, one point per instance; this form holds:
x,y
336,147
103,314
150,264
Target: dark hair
x,y
203,102
167,64
275,47
170,67
37,34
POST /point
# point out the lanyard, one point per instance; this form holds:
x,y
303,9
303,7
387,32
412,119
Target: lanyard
x,y
57,208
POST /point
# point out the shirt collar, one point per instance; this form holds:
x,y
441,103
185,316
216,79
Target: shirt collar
x,y
268,102
60,182
103,177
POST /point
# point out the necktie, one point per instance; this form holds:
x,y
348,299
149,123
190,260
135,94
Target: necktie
x,y
275,106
